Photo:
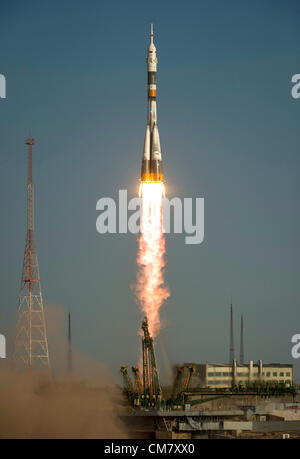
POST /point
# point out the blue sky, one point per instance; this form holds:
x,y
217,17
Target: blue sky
x,y
229,128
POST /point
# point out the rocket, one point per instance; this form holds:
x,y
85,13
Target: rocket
x,y
151,163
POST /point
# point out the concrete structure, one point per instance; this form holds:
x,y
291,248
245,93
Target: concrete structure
x,y
204,424
223,375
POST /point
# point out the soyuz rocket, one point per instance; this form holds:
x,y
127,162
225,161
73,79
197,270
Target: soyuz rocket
x,y
152,163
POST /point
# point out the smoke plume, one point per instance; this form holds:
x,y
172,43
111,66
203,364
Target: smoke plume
x,y
39,404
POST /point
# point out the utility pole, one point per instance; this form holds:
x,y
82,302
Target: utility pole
x,y
231,345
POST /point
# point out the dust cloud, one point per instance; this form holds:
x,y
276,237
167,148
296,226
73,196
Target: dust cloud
x,y
58,404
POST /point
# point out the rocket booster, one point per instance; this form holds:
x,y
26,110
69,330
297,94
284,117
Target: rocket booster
x,y
152,163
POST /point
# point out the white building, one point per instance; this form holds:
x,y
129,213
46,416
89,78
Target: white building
x,y
223,375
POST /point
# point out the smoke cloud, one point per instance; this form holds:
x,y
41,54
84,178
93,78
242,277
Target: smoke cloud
x,y
83,404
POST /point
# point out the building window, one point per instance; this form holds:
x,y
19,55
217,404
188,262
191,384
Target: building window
x,y
268,374
275,373
288,374
211,374
281,374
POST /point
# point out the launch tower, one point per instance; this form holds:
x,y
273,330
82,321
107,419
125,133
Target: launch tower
x,y
151,385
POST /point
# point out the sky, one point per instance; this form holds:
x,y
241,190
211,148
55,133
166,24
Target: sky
x,y
229,129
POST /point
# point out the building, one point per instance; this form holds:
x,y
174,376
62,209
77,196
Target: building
x,y
224,375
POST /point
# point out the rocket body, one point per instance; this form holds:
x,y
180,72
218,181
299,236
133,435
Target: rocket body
x,y
152,162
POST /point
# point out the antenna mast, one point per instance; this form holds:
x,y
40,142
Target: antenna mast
x,y
231,348
242,341
31,346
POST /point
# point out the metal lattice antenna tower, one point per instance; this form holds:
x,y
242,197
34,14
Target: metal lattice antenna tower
x,y
31,347
70,366
242,341
231,348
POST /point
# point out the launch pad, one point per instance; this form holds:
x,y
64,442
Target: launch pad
x,y
146,394
181,414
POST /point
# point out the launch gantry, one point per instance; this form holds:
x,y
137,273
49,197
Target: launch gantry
x,y
147,392
138,380
152,389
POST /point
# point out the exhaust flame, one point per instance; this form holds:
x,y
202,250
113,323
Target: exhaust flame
x,y
150,289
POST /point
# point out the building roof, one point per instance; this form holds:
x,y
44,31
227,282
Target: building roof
x,y
222,365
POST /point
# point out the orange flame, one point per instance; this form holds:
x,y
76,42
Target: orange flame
x,y
150,289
